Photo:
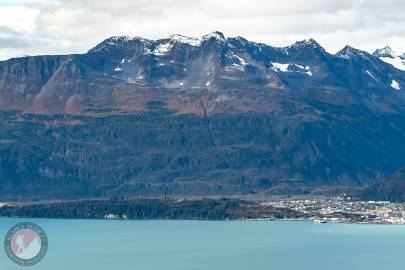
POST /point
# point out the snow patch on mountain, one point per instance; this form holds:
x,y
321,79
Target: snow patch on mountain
x,y
240,60
397,62
162,49
371,75
280,67
186,40
395,85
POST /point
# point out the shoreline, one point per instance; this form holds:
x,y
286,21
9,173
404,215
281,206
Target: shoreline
x,y
224,209
309,221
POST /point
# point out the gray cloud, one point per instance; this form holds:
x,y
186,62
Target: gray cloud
x,y
77,25
13,42
11,39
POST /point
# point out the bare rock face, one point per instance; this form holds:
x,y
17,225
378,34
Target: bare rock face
x,y
199,116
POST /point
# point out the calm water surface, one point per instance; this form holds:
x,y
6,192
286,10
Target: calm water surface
x,y
177,245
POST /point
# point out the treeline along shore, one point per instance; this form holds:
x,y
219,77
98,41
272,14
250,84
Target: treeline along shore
x,y
196,209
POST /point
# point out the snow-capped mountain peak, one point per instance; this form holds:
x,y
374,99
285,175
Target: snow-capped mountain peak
x,y
118,42
186,40
349,52
197,41
307,42
214,35
389,56
385,52
304,48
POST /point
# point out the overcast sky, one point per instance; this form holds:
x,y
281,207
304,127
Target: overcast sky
x,y
31,27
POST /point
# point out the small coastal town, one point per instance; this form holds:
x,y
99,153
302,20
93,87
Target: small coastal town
x,y
317,209
344,209
337,209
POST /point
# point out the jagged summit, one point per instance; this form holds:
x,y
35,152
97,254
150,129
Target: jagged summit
x,y
307,43
385,52
307,49
214,35
349,52
118,42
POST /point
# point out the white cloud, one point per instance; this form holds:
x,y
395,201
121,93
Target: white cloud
x,y
19,18
58,26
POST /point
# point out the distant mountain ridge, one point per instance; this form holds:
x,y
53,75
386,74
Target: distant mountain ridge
x,y
213,63
199,116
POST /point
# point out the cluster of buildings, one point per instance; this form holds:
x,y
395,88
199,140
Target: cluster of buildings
x,y
115,216
343,209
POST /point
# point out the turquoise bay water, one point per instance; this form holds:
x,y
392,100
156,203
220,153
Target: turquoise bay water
x,y
150,245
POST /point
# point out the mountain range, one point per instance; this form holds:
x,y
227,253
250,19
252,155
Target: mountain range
x,y
185,116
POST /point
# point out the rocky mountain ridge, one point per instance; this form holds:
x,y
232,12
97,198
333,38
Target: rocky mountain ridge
x,y
122,74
